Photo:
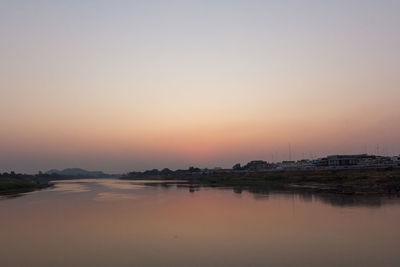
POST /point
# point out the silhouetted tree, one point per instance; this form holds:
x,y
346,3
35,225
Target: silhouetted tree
x,y
193,169
237,167
166,171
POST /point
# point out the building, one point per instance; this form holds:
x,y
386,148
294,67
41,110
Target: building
x,y
289,165
305,164
342,160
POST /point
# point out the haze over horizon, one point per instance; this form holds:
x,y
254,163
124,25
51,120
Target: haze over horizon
x,y
119,86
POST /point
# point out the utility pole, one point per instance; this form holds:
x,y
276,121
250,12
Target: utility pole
x,y
290,152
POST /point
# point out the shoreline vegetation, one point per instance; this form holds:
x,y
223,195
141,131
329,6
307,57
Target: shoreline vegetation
x,y
16,183
10,186
341,181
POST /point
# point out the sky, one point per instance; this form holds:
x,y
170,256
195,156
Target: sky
x,y
133,85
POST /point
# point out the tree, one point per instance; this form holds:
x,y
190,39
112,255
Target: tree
x,y
166,171
237,167
193,169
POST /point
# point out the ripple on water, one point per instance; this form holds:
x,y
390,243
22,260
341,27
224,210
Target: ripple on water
x,y
110,196
70,187
121,185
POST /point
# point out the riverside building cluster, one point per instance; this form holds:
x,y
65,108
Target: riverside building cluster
x,y
359,161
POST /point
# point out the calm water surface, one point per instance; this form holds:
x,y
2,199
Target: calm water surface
x,y
113,223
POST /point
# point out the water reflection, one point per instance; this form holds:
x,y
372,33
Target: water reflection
x,y
70,187
140,223
84,185
355,200
339,200
125,190
108,196
125,185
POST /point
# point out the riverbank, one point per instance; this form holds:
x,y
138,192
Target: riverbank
x,y
362,181
11,186
350,181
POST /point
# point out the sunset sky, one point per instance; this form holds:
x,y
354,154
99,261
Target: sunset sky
x,y
133,85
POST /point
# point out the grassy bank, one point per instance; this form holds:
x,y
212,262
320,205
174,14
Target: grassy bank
x,y
15,186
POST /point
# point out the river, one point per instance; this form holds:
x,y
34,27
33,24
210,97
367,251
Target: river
x,y
109,222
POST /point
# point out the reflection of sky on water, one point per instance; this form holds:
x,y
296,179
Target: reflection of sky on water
x,y
77,186
127,185
70,187
109,196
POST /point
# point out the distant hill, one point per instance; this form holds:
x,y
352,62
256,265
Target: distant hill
x,y
79,173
